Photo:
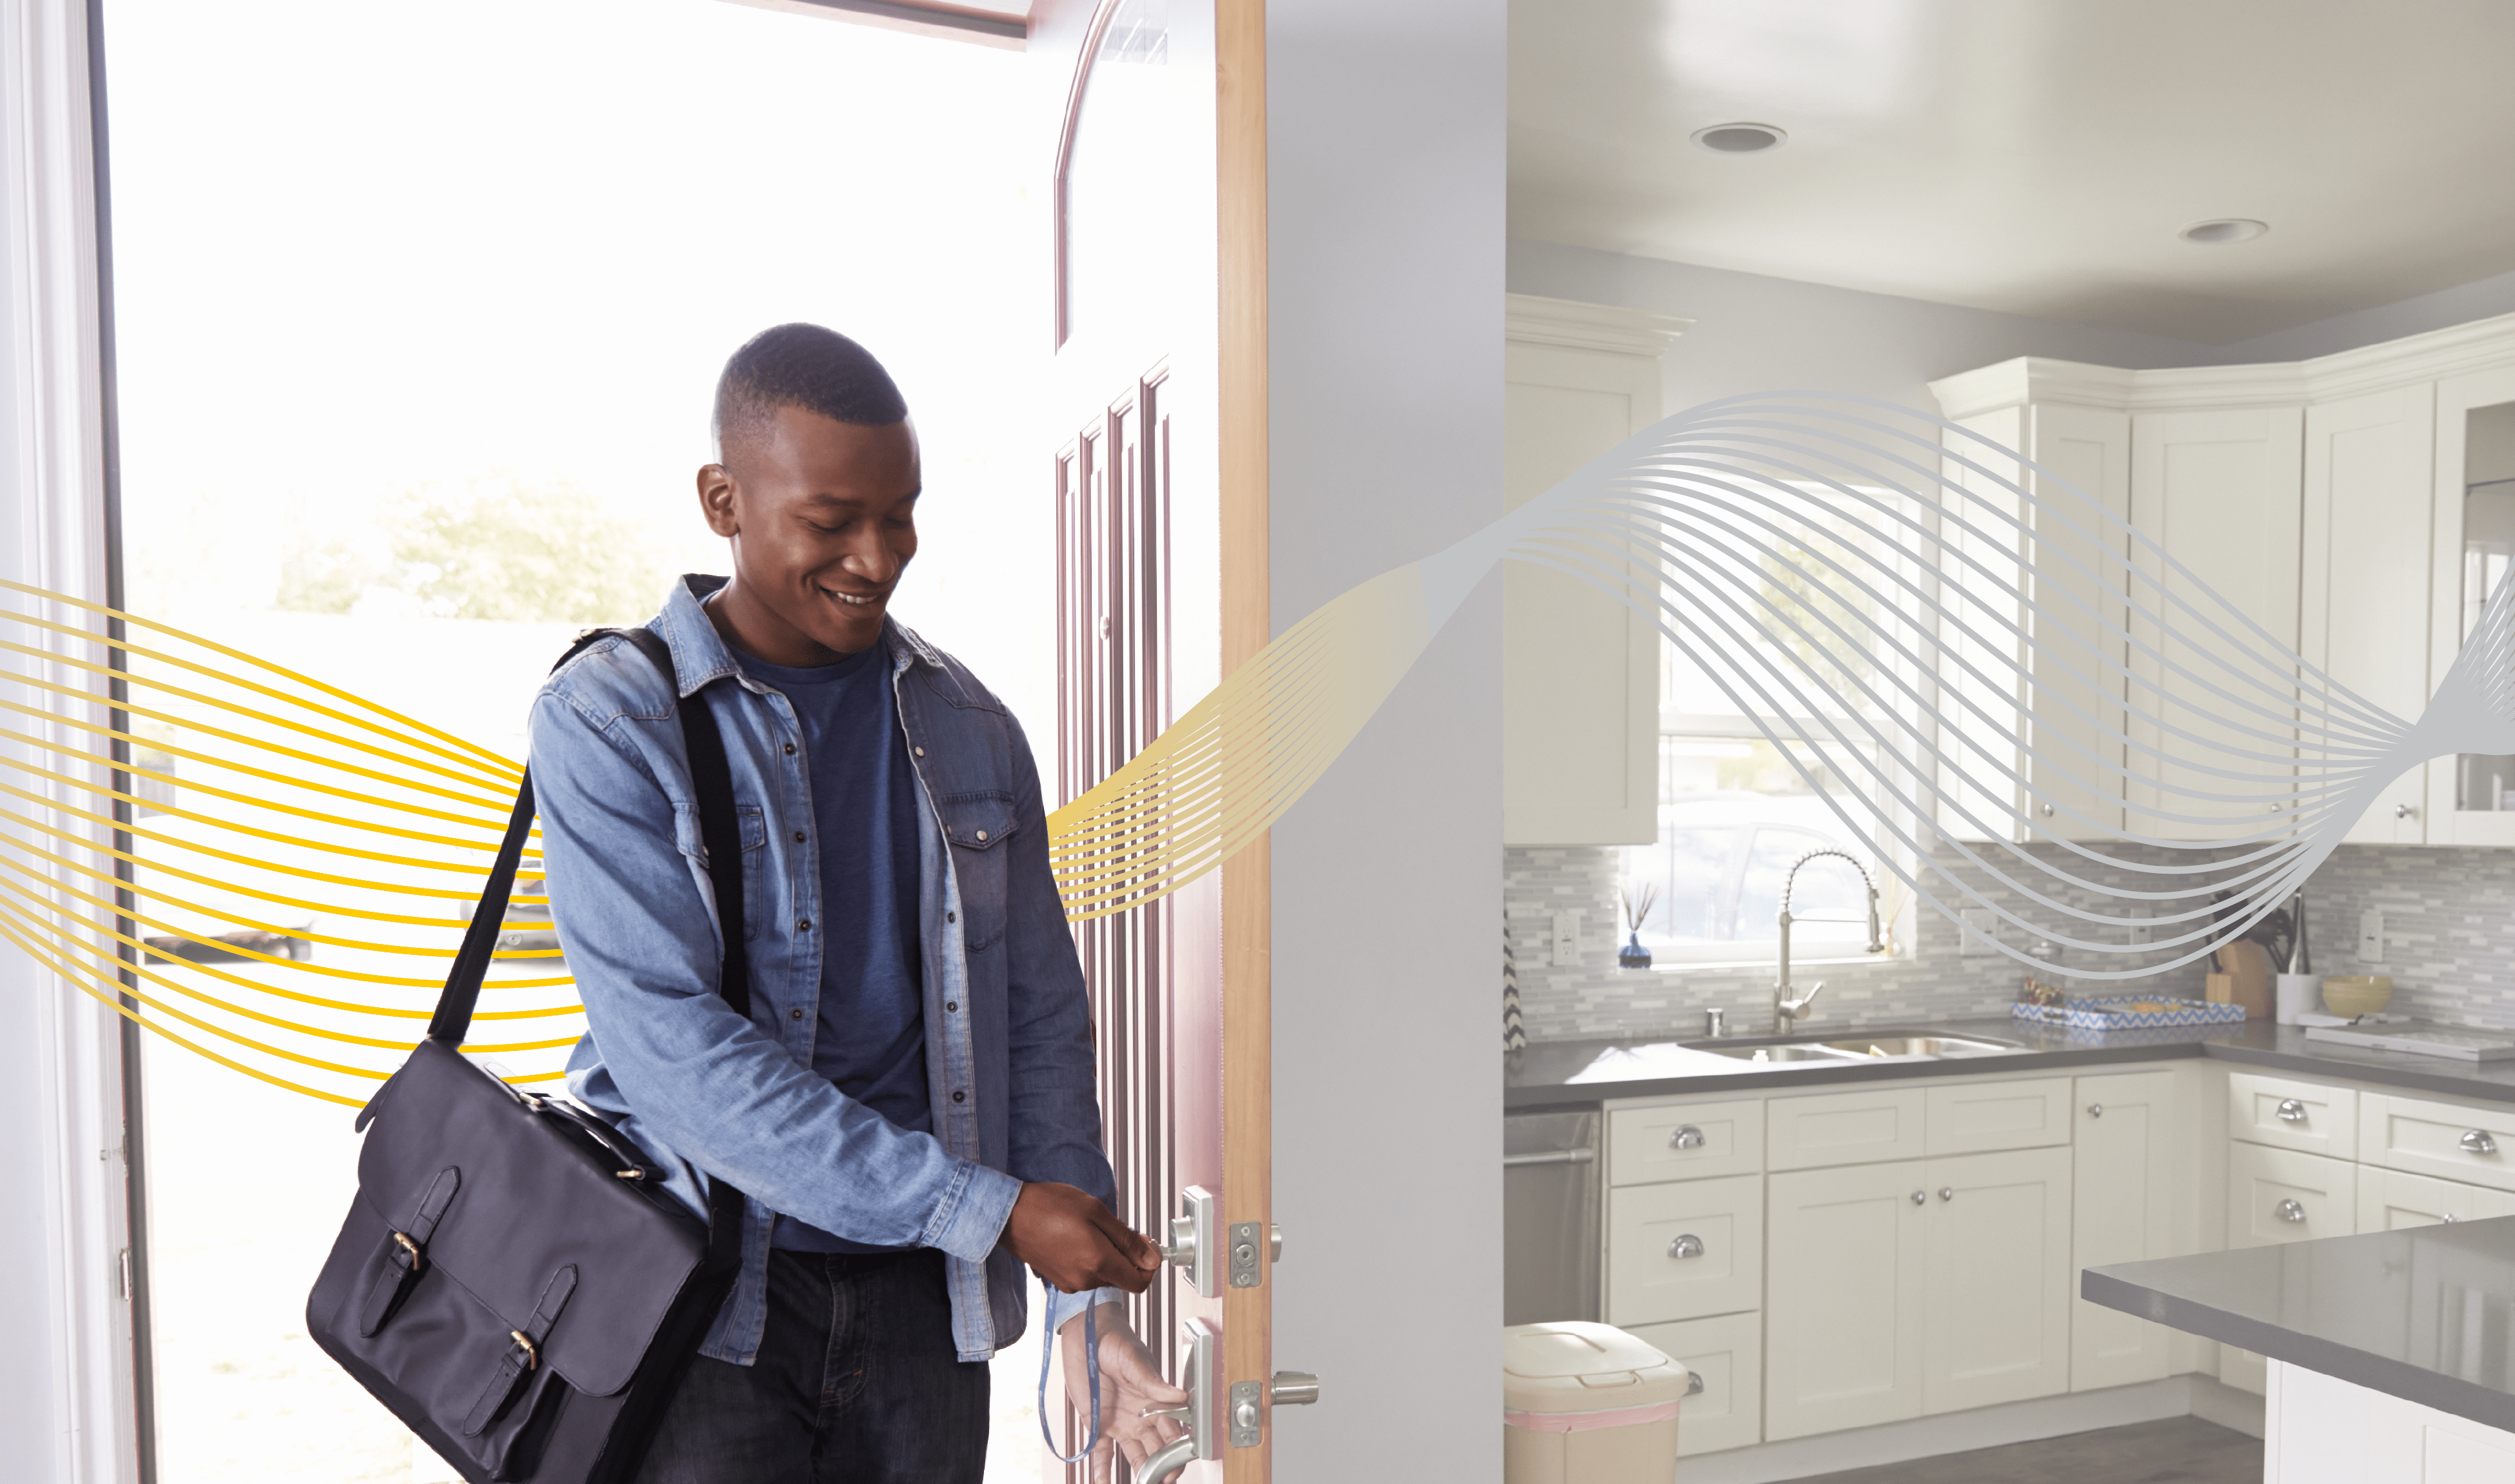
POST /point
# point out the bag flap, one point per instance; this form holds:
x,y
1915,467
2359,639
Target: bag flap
x,y
533,1199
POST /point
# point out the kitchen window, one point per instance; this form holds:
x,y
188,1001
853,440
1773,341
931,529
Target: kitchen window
x,y
1823,667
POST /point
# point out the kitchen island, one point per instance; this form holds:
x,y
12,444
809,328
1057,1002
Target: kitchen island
x,y
2392,1353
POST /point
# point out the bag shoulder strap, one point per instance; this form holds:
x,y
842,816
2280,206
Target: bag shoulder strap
x,y
720,832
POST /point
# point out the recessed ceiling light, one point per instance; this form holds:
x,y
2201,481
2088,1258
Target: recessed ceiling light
x,y
2224,229
1738,139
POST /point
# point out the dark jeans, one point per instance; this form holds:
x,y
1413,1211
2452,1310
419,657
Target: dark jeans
x,y
856,1384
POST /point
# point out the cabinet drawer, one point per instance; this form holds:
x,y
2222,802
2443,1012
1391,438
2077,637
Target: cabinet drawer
x,y
2288,1114
1647,1144
2389,1200
2470,1144
1654,1274
2278,1195
1977,1117
1729,1354
1843,1128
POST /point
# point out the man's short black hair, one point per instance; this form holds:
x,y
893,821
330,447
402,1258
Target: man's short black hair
x,y
807,366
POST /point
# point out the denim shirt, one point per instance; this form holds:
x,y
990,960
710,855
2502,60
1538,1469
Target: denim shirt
x,y
705,1091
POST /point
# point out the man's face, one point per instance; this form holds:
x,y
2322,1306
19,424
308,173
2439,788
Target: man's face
x,y
823,520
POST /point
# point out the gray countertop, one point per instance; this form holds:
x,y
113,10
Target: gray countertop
x,y
1583,1074
2424,1314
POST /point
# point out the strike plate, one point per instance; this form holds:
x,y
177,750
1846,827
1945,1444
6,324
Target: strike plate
x,y
1247,1413
1247,1253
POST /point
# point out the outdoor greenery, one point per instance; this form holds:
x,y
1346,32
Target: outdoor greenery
x,y
493,548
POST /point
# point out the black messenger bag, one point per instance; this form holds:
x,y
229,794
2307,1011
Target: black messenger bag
x,y
514,1281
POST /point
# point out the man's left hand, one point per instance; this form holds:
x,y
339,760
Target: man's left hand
x,y
1129,1386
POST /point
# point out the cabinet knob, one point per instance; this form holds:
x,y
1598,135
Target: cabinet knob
x,y
2048,811
2451,1217
2095,1110
1919,1196
1947,1192
2292,1111
2478,1141
2403,811
2289,1211
1686,1246
1694,1383
1687,1136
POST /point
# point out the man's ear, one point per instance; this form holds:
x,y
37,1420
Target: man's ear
x,y
715,499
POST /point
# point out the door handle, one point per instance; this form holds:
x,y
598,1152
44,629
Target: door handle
x,y
2095,1110
1581,1156
2289,1211
1193,1240
1947,1192
1202,1435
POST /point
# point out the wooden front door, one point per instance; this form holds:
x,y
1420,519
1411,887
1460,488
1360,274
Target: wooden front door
x,y
1157,196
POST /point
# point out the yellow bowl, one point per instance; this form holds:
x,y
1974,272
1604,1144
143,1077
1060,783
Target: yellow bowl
x,y
2355,995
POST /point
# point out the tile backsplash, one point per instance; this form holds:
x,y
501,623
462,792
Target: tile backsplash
x,y
2449,945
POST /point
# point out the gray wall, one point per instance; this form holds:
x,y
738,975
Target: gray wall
x,y
1385,179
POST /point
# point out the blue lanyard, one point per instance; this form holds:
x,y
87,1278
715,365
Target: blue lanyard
x,y
1091,1369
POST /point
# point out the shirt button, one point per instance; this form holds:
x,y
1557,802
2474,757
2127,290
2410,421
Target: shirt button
x,y
790,749
920,751
794,1014
798,836
960,1097
804,925
951,1006
951,916
982,834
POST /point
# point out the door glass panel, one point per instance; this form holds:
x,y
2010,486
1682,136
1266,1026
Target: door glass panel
x,y
2482,783
418,327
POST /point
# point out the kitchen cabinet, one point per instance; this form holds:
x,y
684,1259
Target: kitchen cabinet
x,y
2041,603
2367,546
1916,1286
2324,1431
1692,1141
1727,1353
1881,1122
1580,668
2437,1139
2286,1113
2276,1196
1844,1315
1685,1250
1973,1117
2220,490
2466,807
2122,1211
2389,1200
1996,1296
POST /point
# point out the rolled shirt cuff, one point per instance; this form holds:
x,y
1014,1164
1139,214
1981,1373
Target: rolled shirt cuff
x,y
1062,1306
970,1218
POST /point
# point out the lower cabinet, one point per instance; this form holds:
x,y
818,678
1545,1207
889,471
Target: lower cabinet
x,y
2121,1211
2278,1196
1916,1286
1729,1354
1685,1250
2389,1200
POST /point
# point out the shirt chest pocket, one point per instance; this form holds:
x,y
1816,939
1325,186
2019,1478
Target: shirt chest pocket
x,y
753,824
978,825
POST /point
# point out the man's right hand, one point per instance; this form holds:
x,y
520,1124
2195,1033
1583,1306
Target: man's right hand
x,y
1069,1238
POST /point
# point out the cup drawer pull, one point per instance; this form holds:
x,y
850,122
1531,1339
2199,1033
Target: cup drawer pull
x,y
1687,1136
2478,1141
2289,1211
1687,1246
2292,1111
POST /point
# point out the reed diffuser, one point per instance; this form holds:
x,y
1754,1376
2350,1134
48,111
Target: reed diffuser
x,y
1637,910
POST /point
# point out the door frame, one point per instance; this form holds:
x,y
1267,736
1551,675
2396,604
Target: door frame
x,y
78,1375
1248,902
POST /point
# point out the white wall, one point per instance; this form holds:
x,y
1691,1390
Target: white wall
x,y
1385,275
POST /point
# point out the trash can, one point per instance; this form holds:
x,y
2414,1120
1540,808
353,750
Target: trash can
x,y
1588,1404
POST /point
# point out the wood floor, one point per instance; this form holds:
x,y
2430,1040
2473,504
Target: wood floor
x,y
2180,1450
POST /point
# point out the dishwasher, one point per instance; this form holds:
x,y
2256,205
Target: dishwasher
x,y
1552,1209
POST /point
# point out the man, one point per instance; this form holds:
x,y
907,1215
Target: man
x,y
909,1107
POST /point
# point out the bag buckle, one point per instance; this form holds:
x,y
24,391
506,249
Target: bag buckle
x,y
532,1356
418,1259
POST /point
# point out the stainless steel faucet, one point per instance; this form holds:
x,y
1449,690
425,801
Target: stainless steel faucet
x,y
1787,1010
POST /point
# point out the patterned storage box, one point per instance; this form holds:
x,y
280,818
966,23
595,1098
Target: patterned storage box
x,y
2111,1014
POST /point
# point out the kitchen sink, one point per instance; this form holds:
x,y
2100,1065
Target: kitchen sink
x,y
1837,1048
1918,1046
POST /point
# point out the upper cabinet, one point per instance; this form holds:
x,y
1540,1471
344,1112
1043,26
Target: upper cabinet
x,y
2356,509
1580,668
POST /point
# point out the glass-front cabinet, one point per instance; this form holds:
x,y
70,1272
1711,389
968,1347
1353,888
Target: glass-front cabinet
x,y
2471,798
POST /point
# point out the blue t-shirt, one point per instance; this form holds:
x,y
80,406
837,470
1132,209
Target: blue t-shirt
x,y
871,1039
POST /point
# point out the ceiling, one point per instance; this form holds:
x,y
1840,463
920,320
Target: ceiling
x,y
2035,156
